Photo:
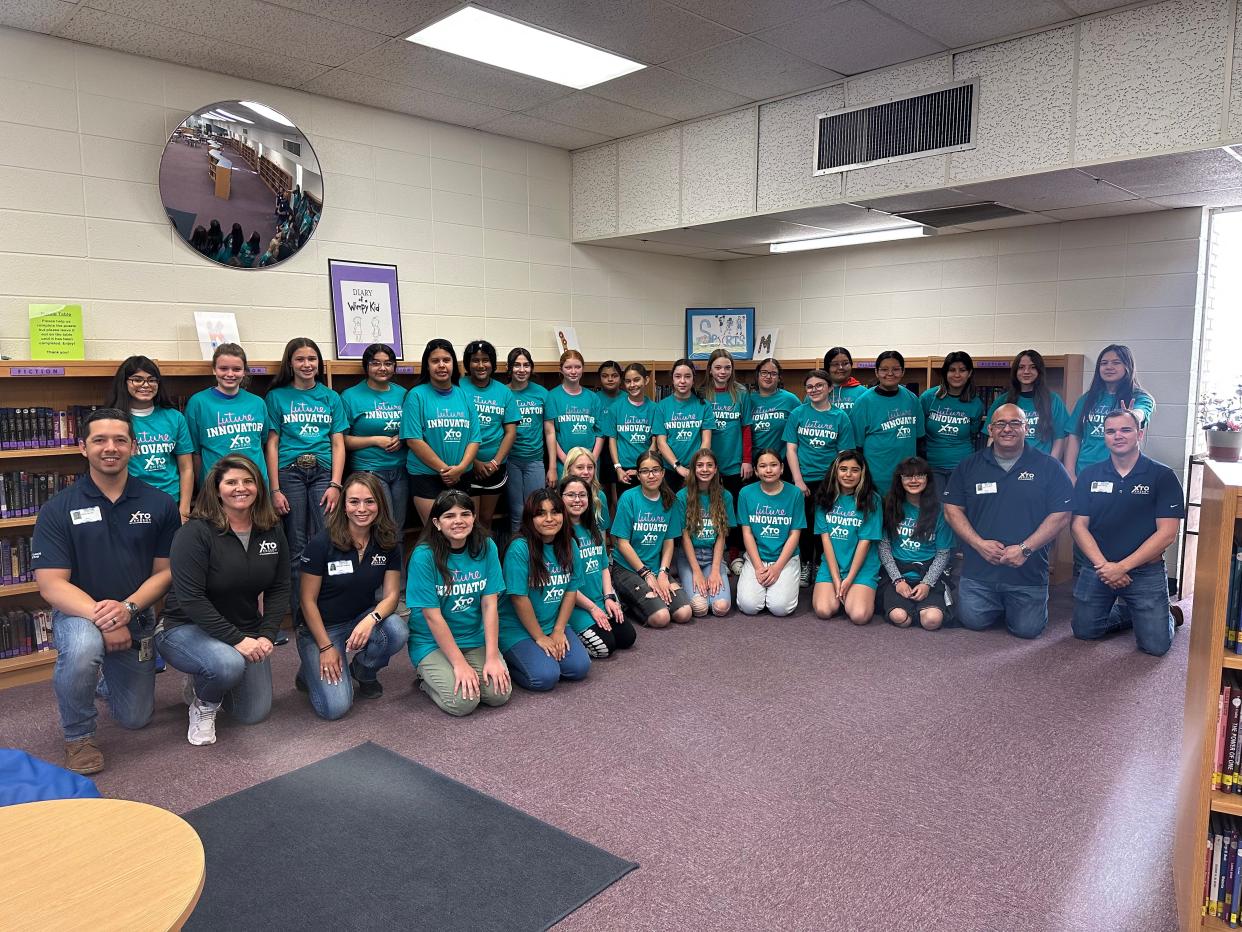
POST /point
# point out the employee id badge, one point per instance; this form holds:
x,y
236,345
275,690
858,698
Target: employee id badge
x,y
146,649
1101,487
985,488
340,567
85,515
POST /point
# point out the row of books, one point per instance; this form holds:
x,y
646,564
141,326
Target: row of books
x,y
23,493
1227,763
25,631
39,428
1222,886
15,561
1233,606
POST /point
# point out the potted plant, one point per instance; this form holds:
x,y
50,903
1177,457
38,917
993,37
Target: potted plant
x,y
1220,416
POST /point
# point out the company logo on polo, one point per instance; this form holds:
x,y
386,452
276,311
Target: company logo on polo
x,y
267,548
239,441
140,517
1026,475
379,559
1141,490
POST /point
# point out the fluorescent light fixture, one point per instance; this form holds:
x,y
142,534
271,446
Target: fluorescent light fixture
x,y
211,114
265,111
506,43
851,239
233,116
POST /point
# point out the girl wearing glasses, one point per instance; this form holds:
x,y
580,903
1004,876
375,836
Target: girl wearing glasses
x,y
708,507
580,463
846,389
597,617
1047,420
163,449
373,410
644,533
227,419
770,406
888,420
686,424
915,549
771,513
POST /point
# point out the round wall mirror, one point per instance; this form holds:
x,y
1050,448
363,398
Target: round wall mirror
x,y
241,185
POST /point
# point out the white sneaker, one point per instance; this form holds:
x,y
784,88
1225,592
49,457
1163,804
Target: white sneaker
x,y
804,575
202,723
736,566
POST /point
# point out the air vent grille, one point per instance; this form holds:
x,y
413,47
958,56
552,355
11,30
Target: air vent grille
x,y
913,127
955,216
292,147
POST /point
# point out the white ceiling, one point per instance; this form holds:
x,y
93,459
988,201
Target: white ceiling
x,y
706,56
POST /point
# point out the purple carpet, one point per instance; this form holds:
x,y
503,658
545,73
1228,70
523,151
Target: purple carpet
x,y
186,186
775,774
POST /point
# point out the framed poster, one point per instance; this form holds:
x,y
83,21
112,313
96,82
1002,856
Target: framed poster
x,y
366,308
713,328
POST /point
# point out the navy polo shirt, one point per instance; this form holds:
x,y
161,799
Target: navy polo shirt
x,y
107,546
1123,510
1009,506
348,582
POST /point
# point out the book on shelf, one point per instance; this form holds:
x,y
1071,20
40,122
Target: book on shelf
x,y
36,428
15,561
25,631
24,492
1227,759
1233,604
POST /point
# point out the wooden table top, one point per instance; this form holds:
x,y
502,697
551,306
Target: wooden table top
x,y
97,864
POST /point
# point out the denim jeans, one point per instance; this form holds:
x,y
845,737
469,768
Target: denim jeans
x,y
722,601
220,673
333,701
396,483
303,488
80,655
1143,605
532,669
524,478
1024,609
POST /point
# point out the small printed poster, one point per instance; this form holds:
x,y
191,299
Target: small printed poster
x,y
566,338
711,328
56,331
765,343
366,307
214,328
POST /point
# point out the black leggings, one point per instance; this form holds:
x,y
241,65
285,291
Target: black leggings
x,y
733,484
810,547
600,643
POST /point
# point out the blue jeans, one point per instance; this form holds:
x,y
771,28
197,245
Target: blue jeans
x,y
333,701
722,601
220,673
1024,609
1143,605
80,655
524,478
396,483
303,488
532,669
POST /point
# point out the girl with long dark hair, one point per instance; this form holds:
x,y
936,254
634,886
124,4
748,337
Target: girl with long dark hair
x,y
373,410
770,406
611,394
710,515
527,467
952,415
685,426
915,549
1047,420
1114,386
497,412
845,389
848,519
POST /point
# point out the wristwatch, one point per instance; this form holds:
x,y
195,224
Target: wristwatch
x,y
133,609
377,616
611,597
1026,551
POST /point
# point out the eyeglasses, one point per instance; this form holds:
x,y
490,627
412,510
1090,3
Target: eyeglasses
x,y
651,471
381,364
887,371
140,382
573,495
1008,425
841,365
917,477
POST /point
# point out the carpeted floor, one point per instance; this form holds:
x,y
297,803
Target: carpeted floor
x,y
186,186
776,774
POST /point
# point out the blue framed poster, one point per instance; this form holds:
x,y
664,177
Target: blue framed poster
x,y
713,328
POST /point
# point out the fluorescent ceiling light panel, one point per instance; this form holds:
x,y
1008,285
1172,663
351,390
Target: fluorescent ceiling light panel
x,y
233,116
851,239
506,43
266,111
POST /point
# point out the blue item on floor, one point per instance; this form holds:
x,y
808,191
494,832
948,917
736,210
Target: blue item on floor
x,y
26,779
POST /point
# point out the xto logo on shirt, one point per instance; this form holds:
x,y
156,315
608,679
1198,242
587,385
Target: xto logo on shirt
x,y
1026,476
379,559
267,548
154,463
140,517
461,603
239,441
1141,490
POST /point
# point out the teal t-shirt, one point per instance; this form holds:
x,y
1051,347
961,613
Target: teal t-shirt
x,y
374,414
528,446
845,526
1059,415
593,557
546,600
845,398
767,418
683,423
819,436
305,420
578,419
495,407
888,428
731,415
646,525
633,426
221,424
771,518
707,531
160,437
1092,448
951,427
910,549
461,603
444,420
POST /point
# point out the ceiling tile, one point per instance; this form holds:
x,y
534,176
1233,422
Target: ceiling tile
x,y
747,66
401,62
1113,209
649,31
964,22
35,15
718,254
1001,223
645,244
254,24
387,17
1049,191
842,218
585,111
1086,7
524,126
921,200
1205,170
752,231
375,92
851,38
1225,197
153,41
700,239
672,95
752,15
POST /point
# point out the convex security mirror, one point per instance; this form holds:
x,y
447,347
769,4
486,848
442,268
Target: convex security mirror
x,y
241,185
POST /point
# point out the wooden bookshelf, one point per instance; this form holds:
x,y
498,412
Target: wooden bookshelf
x,y
37,452
29,668
1219,522
275,177
27,521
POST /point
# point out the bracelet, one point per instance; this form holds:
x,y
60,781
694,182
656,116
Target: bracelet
x,y
645,572
611,597
337,486
324,650
275,491
618,466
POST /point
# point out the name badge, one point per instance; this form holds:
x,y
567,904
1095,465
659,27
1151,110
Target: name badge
x,y
340,567
985,488
1101,487
85,515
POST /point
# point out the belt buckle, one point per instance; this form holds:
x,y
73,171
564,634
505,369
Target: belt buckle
x,y
306,461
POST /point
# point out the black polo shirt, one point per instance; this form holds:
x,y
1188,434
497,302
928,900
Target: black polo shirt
x,y
1122,511
107,546
348,582
1008,507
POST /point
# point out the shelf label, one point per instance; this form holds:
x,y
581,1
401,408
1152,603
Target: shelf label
x,y
258,370
36,370
405,370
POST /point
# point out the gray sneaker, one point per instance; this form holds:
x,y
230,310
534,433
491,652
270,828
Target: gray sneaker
x,y
202,722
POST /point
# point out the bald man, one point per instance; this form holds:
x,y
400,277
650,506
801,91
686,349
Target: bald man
x,y
1007,504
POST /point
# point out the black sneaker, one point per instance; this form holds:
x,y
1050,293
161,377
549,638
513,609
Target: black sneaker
x,y
281,638
1178,618
299,683
367,689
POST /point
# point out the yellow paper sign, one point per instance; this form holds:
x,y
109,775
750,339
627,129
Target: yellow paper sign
x,y
56,331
